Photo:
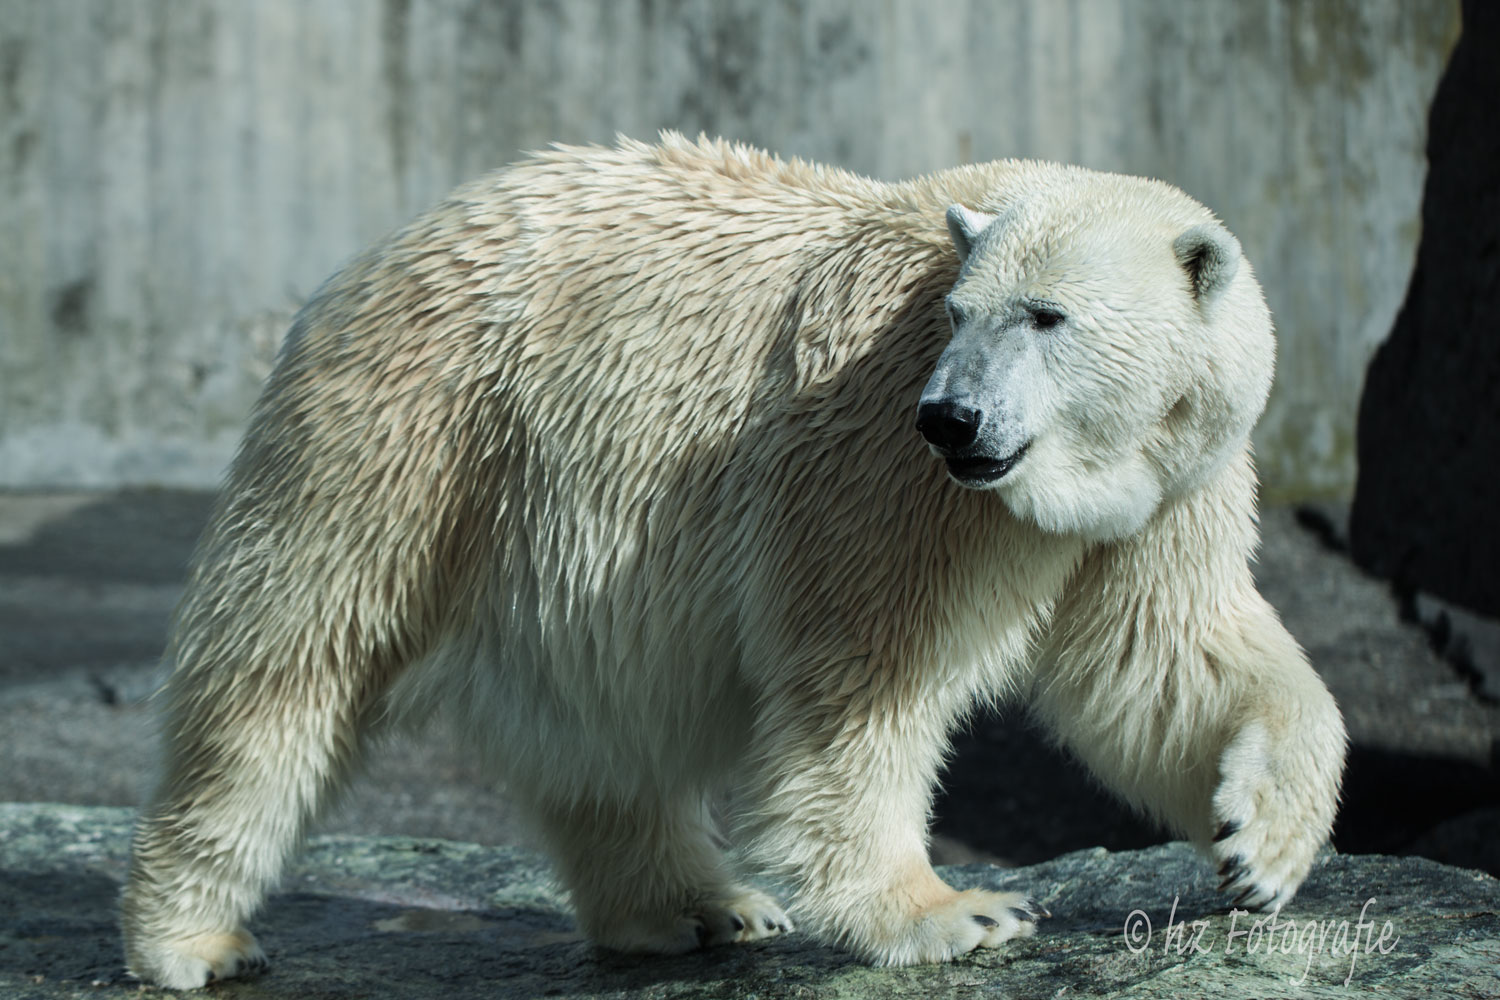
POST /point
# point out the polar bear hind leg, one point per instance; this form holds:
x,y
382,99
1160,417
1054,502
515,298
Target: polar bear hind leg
x,y
648,876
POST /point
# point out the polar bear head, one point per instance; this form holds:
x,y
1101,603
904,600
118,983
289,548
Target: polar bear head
x,y
1111,349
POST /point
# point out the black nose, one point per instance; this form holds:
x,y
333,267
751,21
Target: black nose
x,y
948,425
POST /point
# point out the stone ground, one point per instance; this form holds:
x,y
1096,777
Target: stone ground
x,y
414,918
87,583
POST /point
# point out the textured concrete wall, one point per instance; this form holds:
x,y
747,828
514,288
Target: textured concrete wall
x,y
176,176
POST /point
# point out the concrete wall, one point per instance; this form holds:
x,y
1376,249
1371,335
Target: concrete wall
x,y
176,175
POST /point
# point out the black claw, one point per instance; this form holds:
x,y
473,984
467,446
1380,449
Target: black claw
x,y
736,922
702,930
770,924
1024,915
1032,909
984,921
1229,829
1233,878
1243,896
1260,907
1233,871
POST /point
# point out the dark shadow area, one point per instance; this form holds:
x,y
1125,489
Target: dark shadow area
x,y
60,925
1393,801
94,587
1010,793
131,536
58,928
1429,427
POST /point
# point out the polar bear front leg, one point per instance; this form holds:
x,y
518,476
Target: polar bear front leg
x,y
1166,672
1229,737
839,804
1279,774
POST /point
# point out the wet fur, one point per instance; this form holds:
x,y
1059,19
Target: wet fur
x,y
608,461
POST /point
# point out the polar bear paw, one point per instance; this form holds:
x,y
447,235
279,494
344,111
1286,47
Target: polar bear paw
x,y
968,920
748,915
1270,824
190,963
742,916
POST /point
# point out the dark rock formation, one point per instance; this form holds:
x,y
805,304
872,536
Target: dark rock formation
x,y
1428,494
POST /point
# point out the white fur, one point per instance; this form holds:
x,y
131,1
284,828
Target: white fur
x,y
1154,378
608,461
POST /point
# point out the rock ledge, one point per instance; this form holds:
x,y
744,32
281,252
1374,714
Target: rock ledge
x,y
404,917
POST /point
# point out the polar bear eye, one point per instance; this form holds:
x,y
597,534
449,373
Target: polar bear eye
x,y
1046,319
955,311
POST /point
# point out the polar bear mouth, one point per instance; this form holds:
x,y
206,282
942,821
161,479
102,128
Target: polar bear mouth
x,y
979,470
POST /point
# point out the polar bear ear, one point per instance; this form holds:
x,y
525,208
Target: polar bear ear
x,y
1210,255
965,225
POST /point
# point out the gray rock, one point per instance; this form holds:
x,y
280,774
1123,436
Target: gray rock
x,y
404,917
1470,642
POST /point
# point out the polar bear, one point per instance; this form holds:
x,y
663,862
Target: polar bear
x,y
610,461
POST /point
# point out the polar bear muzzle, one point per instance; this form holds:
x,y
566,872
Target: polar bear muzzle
x,y
951,428
981,470
947,424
